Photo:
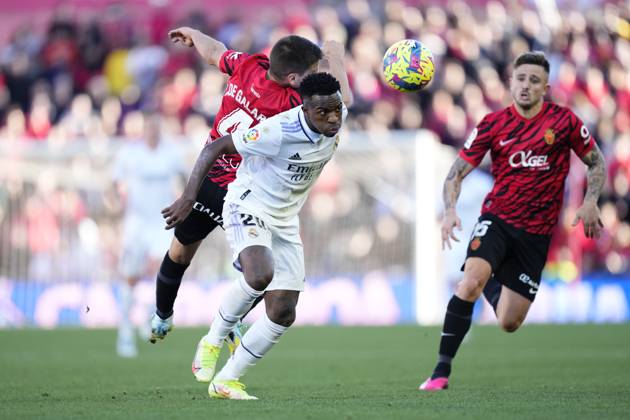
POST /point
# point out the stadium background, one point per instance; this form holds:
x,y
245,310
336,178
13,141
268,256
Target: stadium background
x,y
75,78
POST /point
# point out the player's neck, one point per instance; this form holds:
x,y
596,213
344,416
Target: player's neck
x,y
529,112
270,76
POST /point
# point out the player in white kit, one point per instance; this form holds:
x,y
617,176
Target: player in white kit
x,y
144,173
282,158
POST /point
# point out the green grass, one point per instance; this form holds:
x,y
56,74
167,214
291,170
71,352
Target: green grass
x,y
544,372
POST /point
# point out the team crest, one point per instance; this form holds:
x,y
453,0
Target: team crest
x,y
475,244
253,233
252,135
550,136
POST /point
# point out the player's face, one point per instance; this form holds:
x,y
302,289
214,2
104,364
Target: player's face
x,y
152,130
528,85
323,113
295,79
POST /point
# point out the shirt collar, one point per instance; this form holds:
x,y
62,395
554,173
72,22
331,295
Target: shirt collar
x,y
310,134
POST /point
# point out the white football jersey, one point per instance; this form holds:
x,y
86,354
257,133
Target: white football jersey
x,y
282,159
149,175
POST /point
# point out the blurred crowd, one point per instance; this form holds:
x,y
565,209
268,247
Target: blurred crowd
x,y
87,79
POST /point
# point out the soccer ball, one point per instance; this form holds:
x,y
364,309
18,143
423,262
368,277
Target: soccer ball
x,y
408,66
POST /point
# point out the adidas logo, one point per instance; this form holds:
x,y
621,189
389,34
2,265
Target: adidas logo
x,y
296,157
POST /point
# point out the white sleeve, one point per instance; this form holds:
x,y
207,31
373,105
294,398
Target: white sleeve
x,y
262,140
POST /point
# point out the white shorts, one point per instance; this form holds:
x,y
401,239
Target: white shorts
x,y
142,241
245,228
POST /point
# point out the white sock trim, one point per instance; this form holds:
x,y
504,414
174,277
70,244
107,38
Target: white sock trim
x,y
249,289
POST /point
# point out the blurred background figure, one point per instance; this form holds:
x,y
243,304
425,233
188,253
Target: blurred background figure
x,y
146,172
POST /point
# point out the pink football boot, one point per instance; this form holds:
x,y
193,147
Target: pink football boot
x,y
436,384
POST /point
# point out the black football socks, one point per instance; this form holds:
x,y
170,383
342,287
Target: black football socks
x,y
168,280
456,324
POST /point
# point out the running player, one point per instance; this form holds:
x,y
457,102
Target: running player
x,y
283,157
145,173
530,143
258,87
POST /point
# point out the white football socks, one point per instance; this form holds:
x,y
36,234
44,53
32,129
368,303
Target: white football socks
x,y
256,342
126,302
236,302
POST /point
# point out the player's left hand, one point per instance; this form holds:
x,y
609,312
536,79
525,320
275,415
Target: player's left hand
x,y
589,215
177,212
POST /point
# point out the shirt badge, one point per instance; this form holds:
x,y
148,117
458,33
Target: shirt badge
x,y
252,135
549,136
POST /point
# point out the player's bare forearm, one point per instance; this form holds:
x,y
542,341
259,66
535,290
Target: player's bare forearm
x,y
209,48
204,162
181,208
453,182
333,63
595,175
588,213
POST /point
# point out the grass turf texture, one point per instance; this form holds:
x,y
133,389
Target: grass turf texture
x,y
319,373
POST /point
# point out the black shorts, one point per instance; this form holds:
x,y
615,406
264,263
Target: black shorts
x,y
205,215
517,257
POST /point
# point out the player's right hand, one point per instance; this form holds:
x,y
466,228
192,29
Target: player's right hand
x,y
450,221
177,212
182,34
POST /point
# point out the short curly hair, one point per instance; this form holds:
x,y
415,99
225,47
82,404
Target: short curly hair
x,y
319,84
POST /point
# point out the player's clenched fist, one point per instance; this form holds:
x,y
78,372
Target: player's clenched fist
x,y
183,34
177,212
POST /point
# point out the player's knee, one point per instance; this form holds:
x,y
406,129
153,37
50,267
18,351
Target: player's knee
x,y
259,279
510,325
471,287
282,314
180,255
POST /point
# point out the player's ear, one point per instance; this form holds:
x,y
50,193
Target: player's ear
x,y
293,80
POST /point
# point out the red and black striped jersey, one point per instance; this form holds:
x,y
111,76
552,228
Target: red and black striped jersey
x,y
530,162
249,98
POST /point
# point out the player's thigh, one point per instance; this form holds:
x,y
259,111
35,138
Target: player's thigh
x,y
521,272
250,239
280,306
486,251
477,271
288,253
512,309
205,215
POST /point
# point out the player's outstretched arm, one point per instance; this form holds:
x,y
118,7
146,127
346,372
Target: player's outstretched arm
x,y
333,63
179,210
450,193
209,48
595,179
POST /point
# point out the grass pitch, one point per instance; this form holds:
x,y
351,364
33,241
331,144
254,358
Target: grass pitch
x,y
544,372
